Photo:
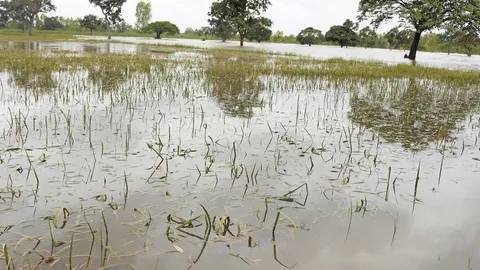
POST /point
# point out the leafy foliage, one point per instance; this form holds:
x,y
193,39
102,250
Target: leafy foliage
x,y
350,24
450,35
342,34
280,37
51,23
259,29
91,22
310,36
4,18
422,15
397,38
469,40
122,27
24,10
143,13
367,37
220,21
111,9
161,27
204,31
229,16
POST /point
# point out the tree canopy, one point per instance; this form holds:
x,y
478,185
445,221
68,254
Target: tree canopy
x,y
259,29
342,34
4,18
143,13
350,24
310,36
398,38
469,40
122,27
112,11
204,31
236,16
91,22
422,15
161,27
450,35
220,21
24,10
51,23
367,37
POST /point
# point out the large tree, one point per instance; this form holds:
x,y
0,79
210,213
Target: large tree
x,y
122,27
91,22
398,38
259,30
237,14
343,34
220,21
112,10
51,23
310,36
204,31
422,15
469,40
143,13
450,35
367,37
4,17
25,10
162,27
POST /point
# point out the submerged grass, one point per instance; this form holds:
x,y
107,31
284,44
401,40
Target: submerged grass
x,y
249,64
161,98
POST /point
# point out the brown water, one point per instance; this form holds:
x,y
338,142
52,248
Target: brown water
x,y
231,153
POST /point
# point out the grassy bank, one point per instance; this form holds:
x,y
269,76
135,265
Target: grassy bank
x,y
20,36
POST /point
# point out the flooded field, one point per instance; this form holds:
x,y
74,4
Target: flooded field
x,y
218,159
442,60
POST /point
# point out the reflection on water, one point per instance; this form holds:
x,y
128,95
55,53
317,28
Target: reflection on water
x,y
415,116
144,45
235,86
443,60
184,164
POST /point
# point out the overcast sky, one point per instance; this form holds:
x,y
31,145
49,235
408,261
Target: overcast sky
x,y
289,16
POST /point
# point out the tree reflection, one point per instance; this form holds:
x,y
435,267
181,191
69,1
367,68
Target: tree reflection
x,y
234,83
40,81
107,78
413,112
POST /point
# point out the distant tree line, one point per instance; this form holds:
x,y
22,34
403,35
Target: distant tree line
x,y
457,23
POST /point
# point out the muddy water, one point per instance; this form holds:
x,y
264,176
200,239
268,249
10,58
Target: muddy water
x,y
150,151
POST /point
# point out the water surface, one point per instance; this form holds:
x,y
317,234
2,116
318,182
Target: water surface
x,y
149,150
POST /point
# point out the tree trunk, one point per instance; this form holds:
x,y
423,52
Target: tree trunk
x,y
241,40
309,44
449,46
30,27
224,40
91,32
414,48
108,27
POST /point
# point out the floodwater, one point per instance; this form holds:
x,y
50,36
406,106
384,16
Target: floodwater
x,y
292,172
442,60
